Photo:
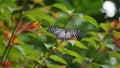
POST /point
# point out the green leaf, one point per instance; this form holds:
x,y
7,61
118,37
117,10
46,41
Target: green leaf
x,y
91,20
6,3
53,66
116,33
61,6
15,54
117,65
5,14
38,15
106,66
105,26
34,35
78,58
32,57
94,5
62,50
59,59
72,53
93,65
80,23
91,40
29,52
2,48
21,50
115,54
80,45
48,45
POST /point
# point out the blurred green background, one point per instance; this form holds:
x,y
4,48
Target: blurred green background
x,y
31,46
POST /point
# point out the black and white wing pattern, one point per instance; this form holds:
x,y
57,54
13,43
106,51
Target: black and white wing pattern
x,y
64,34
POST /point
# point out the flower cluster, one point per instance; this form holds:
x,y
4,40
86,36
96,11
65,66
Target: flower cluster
x,y
6,64
116,23
30,27
117,42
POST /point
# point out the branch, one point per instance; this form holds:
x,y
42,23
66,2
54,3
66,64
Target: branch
x,y
8,46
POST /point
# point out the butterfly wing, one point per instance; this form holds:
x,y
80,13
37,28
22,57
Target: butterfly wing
x,y
75,32
64,34
69,34
58,32
51,30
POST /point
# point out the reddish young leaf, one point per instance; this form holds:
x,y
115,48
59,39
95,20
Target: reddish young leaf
x,y
117,23
117,42
7,64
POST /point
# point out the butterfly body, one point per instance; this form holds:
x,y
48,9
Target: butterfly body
x,y
64,34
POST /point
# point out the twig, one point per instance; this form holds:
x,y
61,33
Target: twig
x,y
67,21
50,53
8,46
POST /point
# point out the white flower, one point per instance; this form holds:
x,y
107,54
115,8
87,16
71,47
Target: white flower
x,y
109,8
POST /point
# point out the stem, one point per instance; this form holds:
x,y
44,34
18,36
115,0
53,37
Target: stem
x,y
67,21
8,46
50,53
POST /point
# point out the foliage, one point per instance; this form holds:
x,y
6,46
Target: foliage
x,y
26,43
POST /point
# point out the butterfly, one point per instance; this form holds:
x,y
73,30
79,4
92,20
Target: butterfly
x,y
64,34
